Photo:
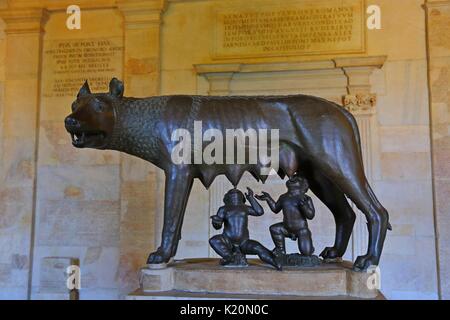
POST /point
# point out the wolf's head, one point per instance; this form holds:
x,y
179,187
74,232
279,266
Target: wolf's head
x,y
91,122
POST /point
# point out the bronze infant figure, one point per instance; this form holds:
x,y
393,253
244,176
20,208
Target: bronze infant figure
x,y
297,208
317,137
234,243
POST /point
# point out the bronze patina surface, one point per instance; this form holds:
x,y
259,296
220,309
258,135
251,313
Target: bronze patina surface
x,y
318,139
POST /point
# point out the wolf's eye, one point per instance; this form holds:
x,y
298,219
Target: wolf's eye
x,y
98,107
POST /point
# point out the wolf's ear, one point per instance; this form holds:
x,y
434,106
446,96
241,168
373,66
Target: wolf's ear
x,y
116,88
85,90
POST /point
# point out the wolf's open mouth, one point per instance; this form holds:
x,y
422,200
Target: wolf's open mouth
x,y
84,138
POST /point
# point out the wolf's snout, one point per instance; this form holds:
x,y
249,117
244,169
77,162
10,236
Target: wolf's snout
x,y
71,122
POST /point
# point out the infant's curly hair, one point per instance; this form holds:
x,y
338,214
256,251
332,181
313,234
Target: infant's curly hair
x,y
297,182
231,194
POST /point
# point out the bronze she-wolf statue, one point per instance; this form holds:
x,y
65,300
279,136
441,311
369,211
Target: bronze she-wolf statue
x,y
317,139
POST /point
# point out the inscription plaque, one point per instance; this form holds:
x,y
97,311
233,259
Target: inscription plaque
x,y
299,28
67,63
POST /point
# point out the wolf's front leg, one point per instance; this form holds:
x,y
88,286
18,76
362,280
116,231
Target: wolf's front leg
x,y
179,181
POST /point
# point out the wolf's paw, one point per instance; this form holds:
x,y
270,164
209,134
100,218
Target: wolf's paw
x,y
158,257
363,263
278,265
331,254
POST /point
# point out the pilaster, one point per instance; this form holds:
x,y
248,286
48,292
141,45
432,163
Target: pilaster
x,y
139,194
24,30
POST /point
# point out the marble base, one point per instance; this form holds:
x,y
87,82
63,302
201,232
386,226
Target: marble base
x,y
205,278
72,295
297,260
182,295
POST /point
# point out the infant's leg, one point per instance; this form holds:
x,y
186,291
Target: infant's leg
x,y
279,233
254,247
305,244
222,246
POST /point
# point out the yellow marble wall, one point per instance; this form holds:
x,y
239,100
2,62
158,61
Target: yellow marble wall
x,y
141,24
23,32
56,201
78,191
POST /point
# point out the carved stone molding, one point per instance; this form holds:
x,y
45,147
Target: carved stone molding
x,y
352,74
137,13
24,20
141,14
59,5
219,83
53,5
436,3
360,103
373,62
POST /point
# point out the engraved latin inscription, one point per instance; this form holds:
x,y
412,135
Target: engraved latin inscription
x,y
68,63
300,29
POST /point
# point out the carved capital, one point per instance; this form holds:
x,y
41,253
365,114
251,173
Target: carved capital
x,y
360,103
429,4
219,83
139,14
24,20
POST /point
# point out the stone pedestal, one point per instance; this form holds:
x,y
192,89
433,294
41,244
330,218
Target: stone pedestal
x,y
206,279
